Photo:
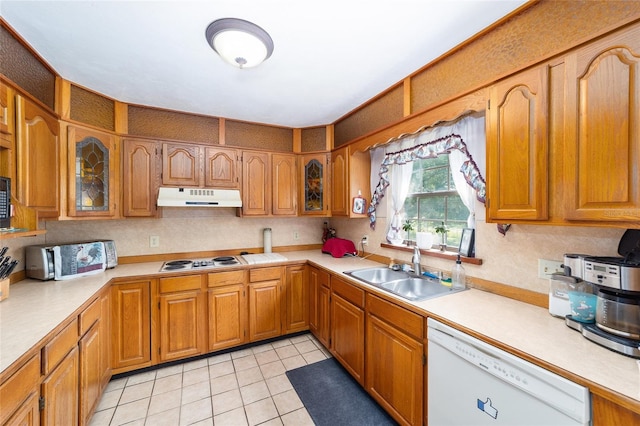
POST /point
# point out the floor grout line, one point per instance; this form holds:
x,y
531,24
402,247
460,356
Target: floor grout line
x,y
266,365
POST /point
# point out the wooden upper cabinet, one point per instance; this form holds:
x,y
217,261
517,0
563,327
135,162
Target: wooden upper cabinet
x,y
256,183
350,177
93,164
38,167
518,147
283,178
140,178
339,177
7,117
314,185
181,165
221,168
602,136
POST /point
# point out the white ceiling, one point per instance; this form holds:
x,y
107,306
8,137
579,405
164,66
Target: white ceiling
x,y
330,55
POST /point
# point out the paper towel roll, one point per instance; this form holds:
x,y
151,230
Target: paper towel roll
x,y
267,240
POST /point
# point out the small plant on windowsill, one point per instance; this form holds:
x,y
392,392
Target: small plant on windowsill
x,y
407,227
442,230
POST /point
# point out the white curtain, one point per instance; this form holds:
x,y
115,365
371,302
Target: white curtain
x,y
472,130
396,159
400,181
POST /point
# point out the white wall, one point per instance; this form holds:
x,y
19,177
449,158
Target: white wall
x,y
511,259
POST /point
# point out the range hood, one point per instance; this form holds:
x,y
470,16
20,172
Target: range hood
x,y
198,197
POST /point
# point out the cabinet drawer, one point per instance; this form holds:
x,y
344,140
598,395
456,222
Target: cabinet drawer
x,y
89,316
400,318
16,389
59,347
219,279
173,284
265,274
349,292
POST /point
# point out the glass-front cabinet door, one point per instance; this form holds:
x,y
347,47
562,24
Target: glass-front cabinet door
x,y
314,197
92,168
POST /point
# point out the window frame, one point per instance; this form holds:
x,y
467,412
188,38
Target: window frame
x,y
446,193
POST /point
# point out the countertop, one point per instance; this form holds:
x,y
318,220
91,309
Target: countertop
x,y
35,308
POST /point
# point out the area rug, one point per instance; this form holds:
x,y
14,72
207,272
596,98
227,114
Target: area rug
x,y
333,397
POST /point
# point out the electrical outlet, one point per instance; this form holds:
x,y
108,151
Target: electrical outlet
x,y
154,241
365,240
296,235
548,267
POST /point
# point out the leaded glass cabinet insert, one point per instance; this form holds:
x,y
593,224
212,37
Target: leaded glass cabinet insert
x,y
313,190
92,175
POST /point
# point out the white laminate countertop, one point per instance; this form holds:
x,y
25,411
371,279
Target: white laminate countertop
x,y
35,308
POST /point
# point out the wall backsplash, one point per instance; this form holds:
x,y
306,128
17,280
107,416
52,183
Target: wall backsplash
x,y
511,259
180,230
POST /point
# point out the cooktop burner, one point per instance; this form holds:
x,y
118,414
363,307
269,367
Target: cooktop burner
x,y
206,263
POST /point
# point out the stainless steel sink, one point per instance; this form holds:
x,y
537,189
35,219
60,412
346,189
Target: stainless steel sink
x,y
416,288
377,275
403,284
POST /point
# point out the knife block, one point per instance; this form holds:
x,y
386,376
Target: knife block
x,y
4,289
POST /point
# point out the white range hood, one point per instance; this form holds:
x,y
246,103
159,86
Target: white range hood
x,y
198,197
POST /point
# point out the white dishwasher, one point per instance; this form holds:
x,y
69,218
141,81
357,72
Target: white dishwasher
x,y
473,383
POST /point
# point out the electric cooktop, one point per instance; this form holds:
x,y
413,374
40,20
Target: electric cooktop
x,y
205,263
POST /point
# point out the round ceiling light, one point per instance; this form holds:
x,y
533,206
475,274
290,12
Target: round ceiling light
x,y
240,43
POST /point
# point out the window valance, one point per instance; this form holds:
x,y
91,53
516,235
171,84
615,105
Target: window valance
x,y
441,145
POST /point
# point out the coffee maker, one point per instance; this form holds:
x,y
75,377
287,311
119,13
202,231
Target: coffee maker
x,y
617,284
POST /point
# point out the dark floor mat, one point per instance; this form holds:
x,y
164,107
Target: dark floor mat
x,y
333,397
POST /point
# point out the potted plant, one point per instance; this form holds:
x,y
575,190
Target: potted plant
x,y
442,230
407,227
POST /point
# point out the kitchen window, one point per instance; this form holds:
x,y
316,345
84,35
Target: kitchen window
x,y
433,200
435,176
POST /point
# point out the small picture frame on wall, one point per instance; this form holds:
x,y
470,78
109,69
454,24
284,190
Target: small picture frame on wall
x,y
359,204
467,243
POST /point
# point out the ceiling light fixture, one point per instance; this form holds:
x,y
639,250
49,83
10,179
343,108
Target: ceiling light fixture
x,y
240,43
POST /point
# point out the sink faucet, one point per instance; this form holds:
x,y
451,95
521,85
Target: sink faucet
x,y
416,260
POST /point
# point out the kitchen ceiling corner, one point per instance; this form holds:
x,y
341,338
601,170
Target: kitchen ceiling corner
x,y
330,56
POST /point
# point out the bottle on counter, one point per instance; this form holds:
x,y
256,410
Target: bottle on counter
x,y
458,276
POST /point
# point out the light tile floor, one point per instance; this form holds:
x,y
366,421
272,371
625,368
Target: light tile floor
x,y
245,387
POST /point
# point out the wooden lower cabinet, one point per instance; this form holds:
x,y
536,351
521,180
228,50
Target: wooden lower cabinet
x,y
395,360
130,325
90,374
181,305
265,304
28,414
347,327
264,310
296,299
95,368
227,309
60,392
319,296
19,394
605,412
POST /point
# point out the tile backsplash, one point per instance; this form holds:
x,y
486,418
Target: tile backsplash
x,y
511,259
